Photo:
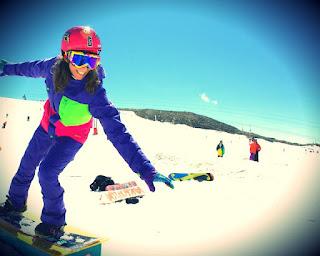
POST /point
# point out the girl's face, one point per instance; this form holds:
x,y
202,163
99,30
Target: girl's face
x,y
78,73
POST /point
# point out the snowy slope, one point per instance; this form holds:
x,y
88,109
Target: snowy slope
x,y
265,208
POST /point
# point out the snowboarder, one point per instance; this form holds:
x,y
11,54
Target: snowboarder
x,y
74,82
254,150
220,149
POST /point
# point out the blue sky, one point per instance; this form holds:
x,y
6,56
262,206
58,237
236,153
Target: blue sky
x,y
247,63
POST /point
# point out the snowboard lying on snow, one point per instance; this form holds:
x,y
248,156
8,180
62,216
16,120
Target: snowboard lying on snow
x,y
111,192
199,176
128,191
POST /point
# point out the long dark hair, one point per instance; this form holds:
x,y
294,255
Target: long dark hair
x,y
62,76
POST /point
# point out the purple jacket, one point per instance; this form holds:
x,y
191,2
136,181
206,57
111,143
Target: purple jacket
x,y
70,113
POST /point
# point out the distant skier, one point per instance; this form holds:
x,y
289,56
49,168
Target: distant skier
x,y
254,150
220,149
75,95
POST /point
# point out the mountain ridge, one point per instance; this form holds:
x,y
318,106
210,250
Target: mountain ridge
x,y
200,121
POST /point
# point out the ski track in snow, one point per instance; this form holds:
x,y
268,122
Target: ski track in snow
x,y
265,208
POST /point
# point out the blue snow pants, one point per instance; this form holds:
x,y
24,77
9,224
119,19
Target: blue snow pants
x,y
52,155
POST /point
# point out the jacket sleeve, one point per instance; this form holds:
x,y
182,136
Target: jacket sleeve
x,y
109,117
39,68
258,147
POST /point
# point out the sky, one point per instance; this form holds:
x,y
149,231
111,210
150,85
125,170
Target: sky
x,y
250,64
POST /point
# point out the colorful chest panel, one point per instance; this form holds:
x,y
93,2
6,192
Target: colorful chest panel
x,y
73,113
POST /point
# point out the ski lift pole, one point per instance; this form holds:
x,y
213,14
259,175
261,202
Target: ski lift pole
x,y
95,127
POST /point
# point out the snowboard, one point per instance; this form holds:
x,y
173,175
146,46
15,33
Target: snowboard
x,y
18,230
129,191
199,176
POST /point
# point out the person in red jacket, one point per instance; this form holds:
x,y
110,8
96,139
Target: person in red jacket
x,y
254,150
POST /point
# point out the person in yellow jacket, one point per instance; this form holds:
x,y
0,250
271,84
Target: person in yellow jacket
x,y
220,149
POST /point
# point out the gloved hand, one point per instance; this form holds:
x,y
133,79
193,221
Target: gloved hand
x,y
158,177
2,63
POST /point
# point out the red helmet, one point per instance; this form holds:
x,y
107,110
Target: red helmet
x,y
81,38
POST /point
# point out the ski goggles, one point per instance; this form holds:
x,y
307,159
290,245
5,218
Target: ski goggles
x,y
80,59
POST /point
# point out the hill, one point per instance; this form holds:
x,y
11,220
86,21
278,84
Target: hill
x,y
200,121
187,118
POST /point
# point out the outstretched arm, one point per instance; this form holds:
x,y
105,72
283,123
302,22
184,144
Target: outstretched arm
x,y
39,68
102,109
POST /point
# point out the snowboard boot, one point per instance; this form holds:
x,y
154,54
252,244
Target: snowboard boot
x,y
8,208
49,232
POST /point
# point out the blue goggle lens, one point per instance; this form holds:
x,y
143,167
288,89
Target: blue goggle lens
x,y
81,60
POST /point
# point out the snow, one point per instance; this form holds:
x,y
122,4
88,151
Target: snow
x,y
265,208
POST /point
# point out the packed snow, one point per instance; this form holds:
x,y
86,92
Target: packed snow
x,y
270,207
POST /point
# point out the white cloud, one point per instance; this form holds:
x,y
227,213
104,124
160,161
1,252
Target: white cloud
x,y
204,97
214,102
